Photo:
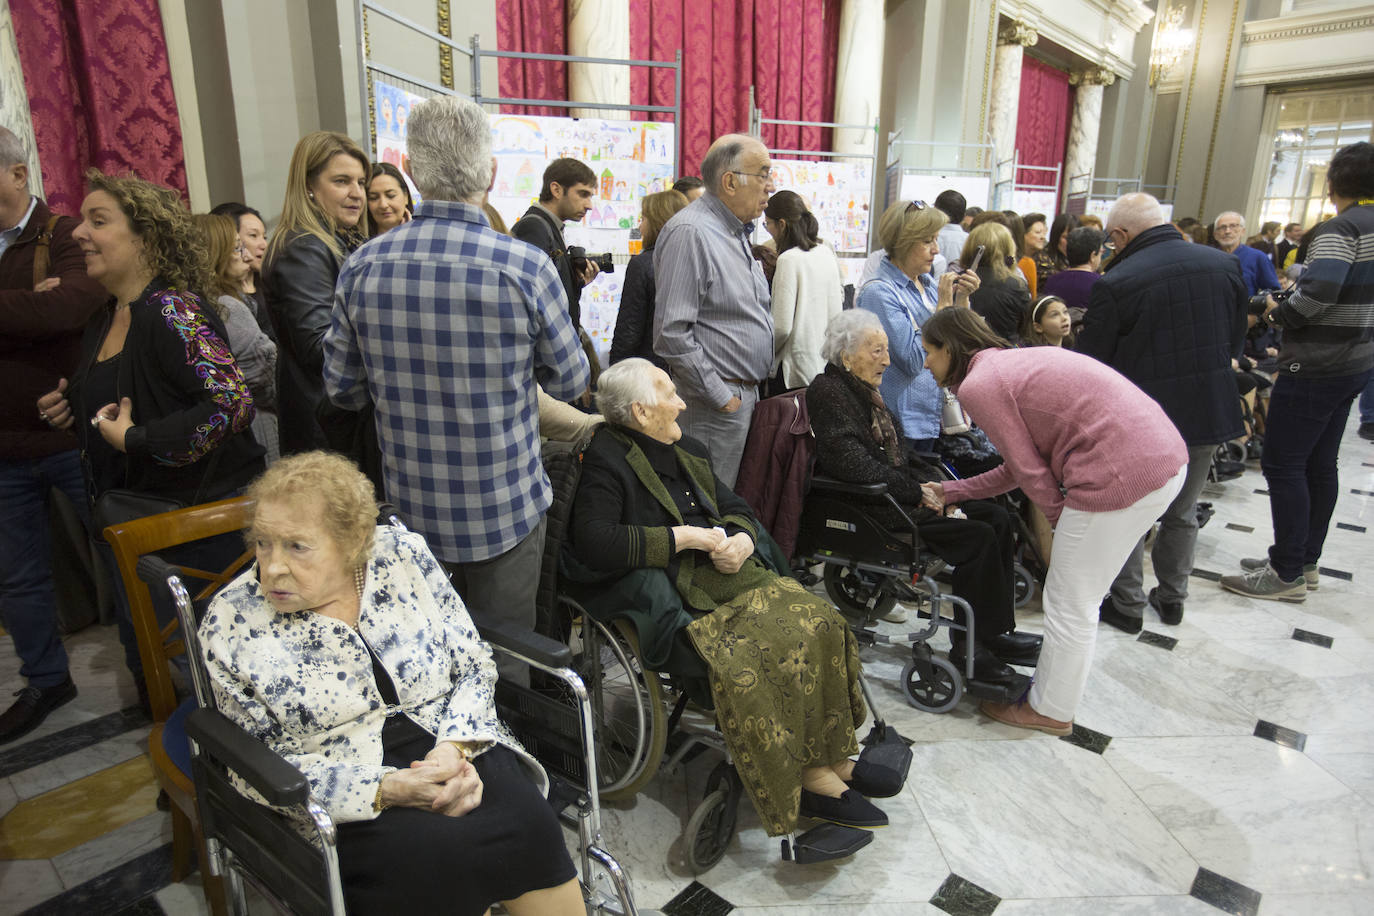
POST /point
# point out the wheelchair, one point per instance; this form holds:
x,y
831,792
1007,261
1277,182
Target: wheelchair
x,y
245,841
869,567
645,721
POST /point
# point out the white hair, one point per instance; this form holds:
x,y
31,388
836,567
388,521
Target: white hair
x,y
1135,213
845,332
12,150
1239,217
628,382
449,142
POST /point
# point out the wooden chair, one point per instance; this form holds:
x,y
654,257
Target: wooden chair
x,y
158,645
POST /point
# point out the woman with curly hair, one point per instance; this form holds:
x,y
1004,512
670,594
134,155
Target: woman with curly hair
x,y
157,404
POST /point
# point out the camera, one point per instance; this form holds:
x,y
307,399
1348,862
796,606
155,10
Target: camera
x,y
580,258
1259,302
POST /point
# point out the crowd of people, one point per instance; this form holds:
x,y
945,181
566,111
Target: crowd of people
x,y
154,358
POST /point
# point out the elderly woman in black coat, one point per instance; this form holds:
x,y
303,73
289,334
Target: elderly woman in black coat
x,y
859,440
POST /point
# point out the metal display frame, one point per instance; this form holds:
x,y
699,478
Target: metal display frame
x,y
1012,184
962,152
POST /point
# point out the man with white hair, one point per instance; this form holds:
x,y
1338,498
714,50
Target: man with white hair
x,y
1256,268
1170,316
713,321
448,325
46,300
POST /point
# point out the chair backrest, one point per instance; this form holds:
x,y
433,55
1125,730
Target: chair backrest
x,y
563,464
158,644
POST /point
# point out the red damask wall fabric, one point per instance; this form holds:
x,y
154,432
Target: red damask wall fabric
x,y
100,92
1042,119
539,27
785,48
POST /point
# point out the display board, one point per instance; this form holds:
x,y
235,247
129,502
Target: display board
x,y
392,106
839,195
977,189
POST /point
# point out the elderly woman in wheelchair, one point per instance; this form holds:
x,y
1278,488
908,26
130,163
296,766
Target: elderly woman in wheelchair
x,y
347,651
858,440
659,540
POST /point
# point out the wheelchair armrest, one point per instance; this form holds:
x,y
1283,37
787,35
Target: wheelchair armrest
x,y
534,646
831,485
155,571
279,783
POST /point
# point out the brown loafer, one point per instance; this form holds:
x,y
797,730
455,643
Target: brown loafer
x,y
1021,715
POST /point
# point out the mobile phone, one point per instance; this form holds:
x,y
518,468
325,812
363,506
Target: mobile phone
x,y
977,258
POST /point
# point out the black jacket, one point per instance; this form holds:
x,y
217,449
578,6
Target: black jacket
x,y
298,282
541,228
1170,316
1002,303
634,325
189,399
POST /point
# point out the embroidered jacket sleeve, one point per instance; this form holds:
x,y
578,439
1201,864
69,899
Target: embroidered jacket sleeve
x,y
189,349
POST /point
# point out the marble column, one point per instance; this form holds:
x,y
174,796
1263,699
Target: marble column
x,y
599,28
859,74
1012,41
1081,156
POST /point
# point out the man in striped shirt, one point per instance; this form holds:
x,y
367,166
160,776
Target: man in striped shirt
x,y
712,320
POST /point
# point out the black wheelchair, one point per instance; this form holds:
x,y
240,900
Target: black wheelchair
x,y
869,567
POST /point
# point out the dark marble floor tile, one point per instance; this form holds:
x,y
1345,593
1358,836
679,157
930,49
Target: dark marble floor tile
x,y
1207,574
1088,739
1346,526
69,740
1158,640
1362,492
1315,639
1224,894
1262,492
1234,527
114,890
961,897
1336,573
1280,735
697,899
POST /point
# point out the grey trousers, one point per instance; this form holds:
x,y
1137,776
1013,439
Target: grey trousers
x,y
502,590
1172,552
723,434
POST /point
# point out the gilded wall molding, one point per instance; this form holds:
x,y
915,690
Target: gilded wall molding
x,y
445,52
1290,27
1092,76
1017,33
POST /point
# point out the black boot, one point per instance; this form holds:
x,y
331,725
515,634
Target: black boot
x,y
986,666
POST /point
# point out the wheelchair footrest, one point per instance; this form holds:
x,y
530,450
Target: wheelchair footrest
x,y
825,843
884,747
1010,691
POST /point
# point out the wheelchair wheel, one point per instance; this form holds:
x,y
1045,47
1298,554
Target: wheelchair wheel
x,y
712,825
851,589
938,689
627,705
1232,451
1024,584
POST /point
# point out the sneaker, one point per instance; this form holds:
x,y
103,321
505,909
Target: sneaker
x,y
1309,572
1265,583
1367,431
1170,612
896,615
32,707
1109,613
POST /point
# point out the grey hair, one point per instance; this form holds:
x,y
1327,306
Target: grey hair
x,y
1135,213
628,382
449,141
1239,216
723,156
844,333
12,150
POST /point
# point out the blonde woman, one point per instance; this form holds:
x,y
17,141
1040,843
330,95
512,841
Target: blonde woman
x,y
634,325
324,218
1001,298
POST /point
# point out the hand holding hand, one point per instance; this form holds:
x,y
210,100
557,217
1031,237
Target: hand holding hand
x,y
416,787
113,421
54,409
732,552
933,496
692,537
461,792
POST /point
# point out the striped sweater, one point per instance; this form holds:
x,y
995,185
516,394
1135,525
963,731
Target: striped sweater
x,y
1328,322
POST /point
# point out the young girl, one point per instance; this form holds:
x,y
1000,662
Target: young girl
x,y
1048,324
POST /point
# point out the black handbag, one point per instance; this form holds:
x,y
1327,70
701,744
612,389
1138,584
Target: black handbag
x,y
117,506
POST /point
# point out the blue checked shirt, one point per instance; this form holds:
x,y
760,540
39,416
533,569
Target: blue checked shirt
x,y
447,325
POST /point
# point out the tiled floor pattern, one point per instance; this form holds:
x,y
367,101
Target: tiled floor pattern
x,y
1226,764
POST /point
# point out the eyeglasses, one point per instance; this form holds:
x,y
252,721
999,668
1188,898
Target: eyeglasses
x,y
916,205
1229,227
763,176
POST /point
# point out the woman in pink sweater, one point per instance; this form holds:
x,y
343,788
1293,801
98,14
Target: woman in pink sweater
x,y
1093,451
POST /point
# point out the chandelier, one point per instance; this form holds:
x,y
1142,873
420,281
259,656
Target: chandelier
x,y
1172,42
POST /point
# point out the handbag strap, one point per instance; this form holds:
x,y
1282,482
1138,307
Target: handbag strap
x,y
41,253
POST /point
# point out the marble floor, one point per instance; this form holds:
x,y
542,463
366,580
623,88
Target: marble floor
x,y
1226,764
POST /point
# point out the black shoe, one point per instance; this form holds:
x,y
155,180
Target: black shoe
x,y
1170,612
1015,648
986,666
1109,613
1366,431
32,707
849,810
873,780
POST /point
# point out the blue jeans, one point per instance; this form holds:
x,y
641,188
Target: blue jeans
x,y
1307,418
27,600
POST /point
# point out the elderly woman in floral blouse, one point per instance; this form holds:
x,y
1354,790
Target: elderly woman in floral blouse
x,y
346,650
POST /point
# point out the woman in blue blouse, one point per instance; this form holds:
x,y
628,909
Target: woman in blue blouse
x,y
903,294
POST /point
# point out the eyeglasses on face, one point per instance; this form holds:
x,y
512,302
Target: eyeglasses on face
x,y
765,175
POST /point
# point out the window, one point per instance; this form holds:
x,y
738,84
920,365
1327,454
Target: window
x,y
1308,129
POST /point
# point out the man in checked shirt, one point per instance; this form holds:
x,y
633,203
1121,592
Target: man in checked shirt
x,y
712,320
448,325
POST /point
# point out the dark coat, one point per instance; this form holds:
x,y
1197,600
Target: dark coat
x,y
1170,316
542,229
40,333
777,465
1002,303
634,324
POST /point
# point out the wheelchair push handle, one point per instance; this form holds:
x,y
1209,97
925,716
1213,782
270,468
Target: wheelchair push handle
x,y
279,783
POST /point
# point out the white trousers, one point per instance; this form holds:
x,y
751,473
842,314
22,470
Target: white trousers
x,y
1089,550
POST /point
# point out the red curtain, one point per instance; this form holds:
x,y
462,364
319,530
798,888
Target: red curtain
x,y
100,93
539,27
1042,119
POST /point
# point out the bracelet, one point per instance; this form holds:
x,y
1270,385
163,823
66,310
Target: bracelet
x,y
378,805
